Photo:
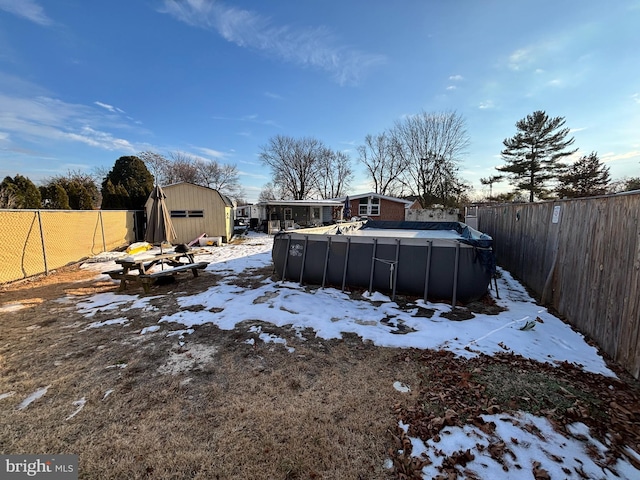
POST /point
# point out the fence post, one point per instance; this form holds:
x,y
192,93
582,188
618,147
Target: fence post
x,y
44,250
104,244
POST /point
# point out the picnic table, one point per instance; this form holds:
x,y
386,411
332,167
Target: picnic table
x,y
138,269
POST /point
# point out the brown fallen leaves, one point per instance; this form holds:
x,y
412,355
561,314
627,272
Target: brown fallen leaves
x,y
456,391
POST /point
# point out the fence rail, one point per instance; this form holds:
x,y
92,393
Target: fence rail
x,y
582,257
37,241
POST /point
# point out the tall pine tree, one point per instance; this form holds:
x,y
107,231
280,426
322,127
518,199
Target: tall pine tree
x,y
532,155
19,192
585,178
127,185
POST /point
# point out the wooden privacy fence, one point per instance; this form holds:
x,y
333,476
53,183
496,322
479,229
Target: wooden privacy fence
x,y
37,241
581,257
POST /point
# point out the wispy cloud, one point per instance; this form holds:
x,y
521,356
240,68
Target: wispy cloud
x,y
613,157
636,98
314,47
452,87
274,96
95,138
27,9
111,108
43,119
456,78
521,58
251,118
486,105
209,152
258,176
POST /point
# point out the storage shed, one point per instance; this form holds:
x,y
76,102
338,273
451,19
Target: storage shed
x,y
195,210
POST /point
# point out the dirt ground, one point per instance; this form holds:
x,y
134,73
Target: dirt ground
x,y
214,405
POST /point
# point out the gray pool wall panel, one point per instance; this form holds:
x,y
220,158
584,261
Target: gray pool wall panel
x,y
410,271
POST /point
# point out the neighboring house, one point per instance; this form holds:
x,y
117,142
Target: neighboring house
x,y
195,210
243,212
283,214
378,207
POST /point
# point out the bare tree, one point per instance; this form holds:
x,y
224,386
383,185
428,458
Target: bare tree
x,y
182,168
430,145
157,164
294,164
267,193
334,174
384,164
221,177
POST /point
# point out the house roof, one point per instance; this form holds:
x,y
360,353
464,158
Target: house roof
x,y
377,195
303,203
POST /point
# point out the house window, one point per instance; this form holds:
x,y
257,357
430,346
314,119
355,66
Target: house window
x,y
374,206
187,213
288,214
315,213
369,207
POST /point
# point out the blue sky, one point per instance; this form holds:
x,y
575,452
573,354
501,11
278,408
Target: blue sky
x,y
83,83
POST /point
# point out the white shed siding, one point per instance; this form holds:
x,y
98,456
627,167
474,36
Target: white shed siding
x,y
217,218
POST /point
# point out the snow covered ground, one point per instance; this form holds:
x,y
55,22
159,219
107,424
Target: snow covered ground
x,y
524,328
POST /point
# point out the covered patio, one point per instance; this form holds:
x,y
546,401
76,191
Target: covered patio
x,y
289,214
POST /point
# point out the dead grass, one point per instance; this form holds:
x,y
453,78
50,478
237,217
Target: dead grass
x,y
534,391
212,406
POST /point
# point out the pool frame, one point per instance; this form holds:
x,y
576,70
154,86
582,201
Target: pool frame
x,y
458,270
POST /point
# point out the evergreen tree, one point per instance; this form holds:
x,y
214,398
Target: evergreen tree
x,y
585,178
532,155
19,192
632,184
127,185
54,197
80,189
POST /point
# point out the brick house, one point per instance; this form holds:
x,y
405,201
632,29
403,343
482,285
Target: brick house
x,y
378,207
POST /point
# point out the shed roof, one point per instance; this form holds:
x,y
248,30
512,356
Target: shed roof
x,y
226,200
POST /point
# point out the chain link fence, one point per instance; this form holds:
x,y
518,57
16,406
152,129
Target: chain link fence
x,y
38,241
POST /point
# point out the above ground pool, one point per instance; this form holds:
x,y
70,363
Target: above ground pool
x,y
436,260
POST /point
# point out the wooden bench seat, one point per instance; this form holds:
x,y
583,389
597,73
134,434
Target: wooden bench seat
x,y
194,267
146,280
